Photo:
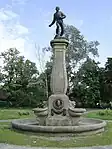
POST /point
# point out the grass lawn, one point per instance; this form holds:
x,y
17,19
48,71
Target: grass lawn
x,y
6,114
100,114
12,137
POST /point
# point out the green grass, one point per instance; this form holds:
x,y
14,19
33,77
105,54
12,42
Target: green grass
x,y
100,114
10,136
6,114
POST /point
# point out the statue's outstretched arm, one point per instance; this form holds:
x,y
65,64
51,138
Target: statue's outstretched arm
x,y
52,21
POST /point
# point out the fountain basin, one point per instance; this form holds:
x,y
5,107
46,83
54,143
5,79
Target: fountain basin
x,y
73,119
76,112
41,115
75,115
85,127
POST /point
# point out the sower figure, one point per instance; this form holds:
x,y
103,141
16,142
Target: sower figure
x,y
58,18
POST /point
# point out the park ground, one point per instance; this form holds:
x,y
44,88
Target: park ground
x,y
9,136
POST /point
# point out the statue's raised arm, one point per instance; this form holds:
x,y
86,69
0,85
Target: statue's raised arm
x,y
58,18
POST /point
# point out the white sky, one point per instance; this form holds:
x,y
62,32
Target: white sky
x,y
14,35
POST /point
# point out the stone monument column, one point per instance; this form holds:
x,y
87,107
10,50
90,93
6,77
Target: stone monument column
x,y
59,74
58,102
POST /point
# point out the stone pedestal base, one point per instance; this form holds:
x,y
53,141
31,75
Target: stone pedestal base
x,y
58,121
58,105
58,111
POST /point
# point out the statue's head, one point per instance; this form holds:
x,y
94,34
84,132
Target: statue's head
x,y
57,8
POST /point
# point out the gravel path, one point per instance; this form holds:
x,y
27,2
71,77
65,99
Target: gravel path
x,y
6,146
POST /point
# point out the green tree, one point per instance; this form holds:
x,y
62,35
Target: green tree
x,y
108,81
86,85
79,49
20,78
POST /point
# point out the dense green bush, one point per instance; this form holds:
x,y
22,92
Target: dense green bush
x,y
106,112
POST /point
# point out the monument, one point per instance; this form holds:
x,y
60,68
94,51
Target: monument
x,y
58,101
60,116
58,104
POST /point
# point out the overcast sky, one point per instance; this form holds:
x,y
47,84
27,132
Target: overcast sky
x,y
25,22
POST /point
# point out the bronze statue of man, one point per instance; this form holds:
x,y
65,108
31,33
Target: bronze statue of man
x,y
58,18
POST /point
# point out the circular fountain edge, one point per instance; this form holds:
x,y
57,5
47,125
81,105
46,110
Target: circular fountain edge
x,y
87,126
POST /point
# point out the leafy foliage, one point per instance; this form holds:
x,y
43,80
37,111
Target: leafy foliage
x,y
86,84
108,80
19,77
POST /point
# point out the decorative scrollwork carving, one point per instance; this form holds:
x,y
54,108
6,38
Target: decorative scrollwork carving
x,y
64,112
58,112
52,112
58,104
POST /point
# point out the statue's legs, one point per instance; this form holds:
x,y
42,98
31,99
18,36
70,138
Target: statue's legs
x,y
62,29
57,29
59,24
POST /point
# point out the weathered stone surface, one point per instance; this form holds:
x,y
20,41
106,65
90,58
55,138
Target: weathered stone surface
x,y
41,114
58,102
59,74
72,104
53,98
58,121
58,116
86,126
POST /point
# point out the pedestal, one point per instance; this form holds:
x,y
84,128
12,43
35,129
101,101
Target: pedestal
x,y
59,74
58,102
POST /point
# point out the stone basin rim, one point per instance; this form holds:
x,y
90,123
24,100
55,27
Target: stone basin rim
x,y
77,110
40,109
28,125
